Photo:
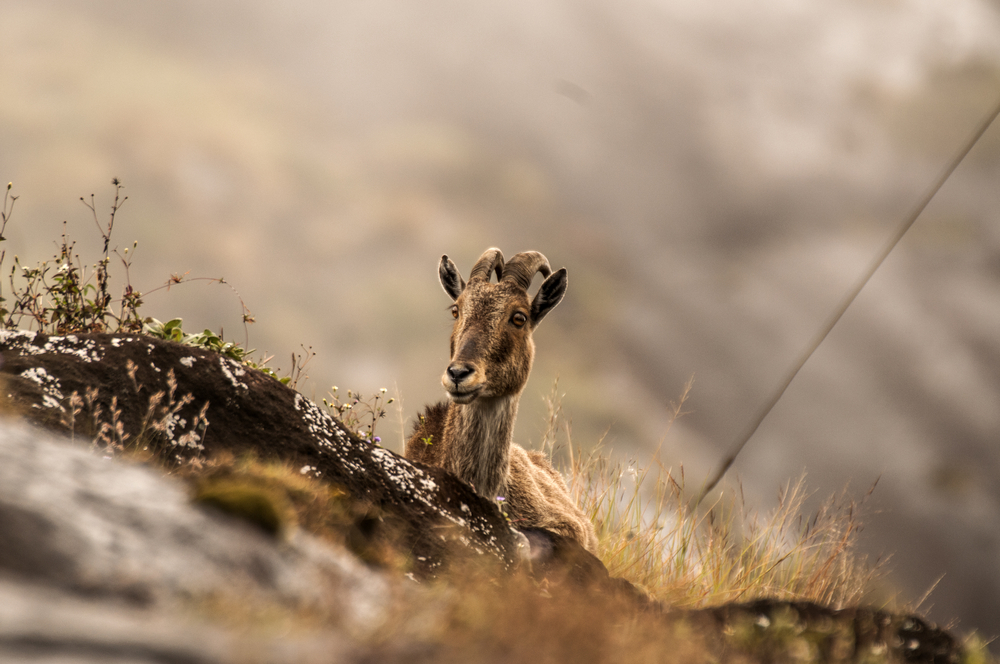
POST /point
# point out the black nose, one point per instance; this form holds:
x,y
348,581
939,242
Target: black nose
x,y
459,372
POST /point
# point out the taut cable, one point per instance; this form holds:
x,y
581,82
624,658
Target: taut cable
x,y
910,219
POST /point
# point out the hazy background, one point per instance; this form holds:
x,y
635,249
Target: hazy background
x,y
713,175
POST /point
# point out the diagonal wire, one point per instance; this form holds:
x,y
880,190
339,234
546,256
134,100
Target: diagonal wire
x,y
910,219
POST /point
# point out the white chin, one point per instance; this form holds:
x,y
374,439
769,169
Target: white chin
x,y
463,397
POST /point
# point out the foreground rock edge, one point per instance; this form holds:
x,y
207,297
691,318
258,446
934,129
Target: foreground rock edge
x,y
43,372
196,404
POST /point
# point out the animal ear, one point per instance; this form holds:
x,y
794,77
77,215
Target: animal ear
x,y
549,295
451,280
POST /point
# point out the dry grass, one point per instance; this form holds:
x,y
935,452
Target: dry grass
x,y
690,556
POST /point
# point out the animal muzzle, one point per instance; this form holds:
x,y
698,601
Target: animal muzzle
x,y
462,381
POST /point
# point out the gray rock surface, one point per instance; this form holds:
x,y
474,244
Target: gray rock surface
x,y
104,561
78,520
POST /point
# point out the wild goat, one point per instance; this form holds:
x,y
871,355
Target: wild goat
x,y
491,356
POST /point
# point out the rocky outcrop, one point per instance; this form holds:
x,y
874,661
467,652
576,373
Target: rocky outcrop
x,y
192,403
102,560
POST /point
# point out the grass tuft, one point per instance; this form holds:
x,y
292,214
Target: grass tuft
x,y
650,534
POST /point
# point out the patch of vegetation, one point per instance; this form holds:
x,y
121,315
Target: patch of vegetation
x,y
278,498
86,415
689,556
63,295
359,414
247,500
60,295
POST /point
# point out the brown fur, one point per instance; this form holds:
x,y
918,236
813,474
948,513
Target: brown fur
x,y
491,356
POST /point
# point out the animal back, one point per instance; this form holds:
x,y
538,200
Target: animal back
x,y
537,497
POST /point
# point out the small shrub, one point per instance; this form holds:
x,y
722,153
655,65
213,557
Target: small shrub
x,y
358,414
60,295
63,295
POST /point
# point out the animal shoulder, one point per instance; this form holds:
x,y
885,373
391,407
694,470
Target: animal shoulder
x,y
426,442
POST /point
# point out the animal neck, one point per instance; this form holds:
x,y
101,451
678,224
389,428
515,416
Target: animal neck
x,y
478,440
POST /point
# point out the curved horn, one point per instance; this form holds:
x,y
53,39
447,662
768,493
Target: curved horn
x,y
523,266
490,261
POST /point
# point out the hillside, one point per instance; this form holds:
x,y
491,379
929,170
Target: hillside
x,y
258,528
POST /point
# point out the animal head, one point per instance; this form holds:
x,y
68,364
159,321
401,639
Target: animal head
x,y
491,346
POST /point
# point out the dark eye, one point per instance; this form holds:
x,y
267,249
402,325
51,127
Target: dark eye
x,y
454,311
518,319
